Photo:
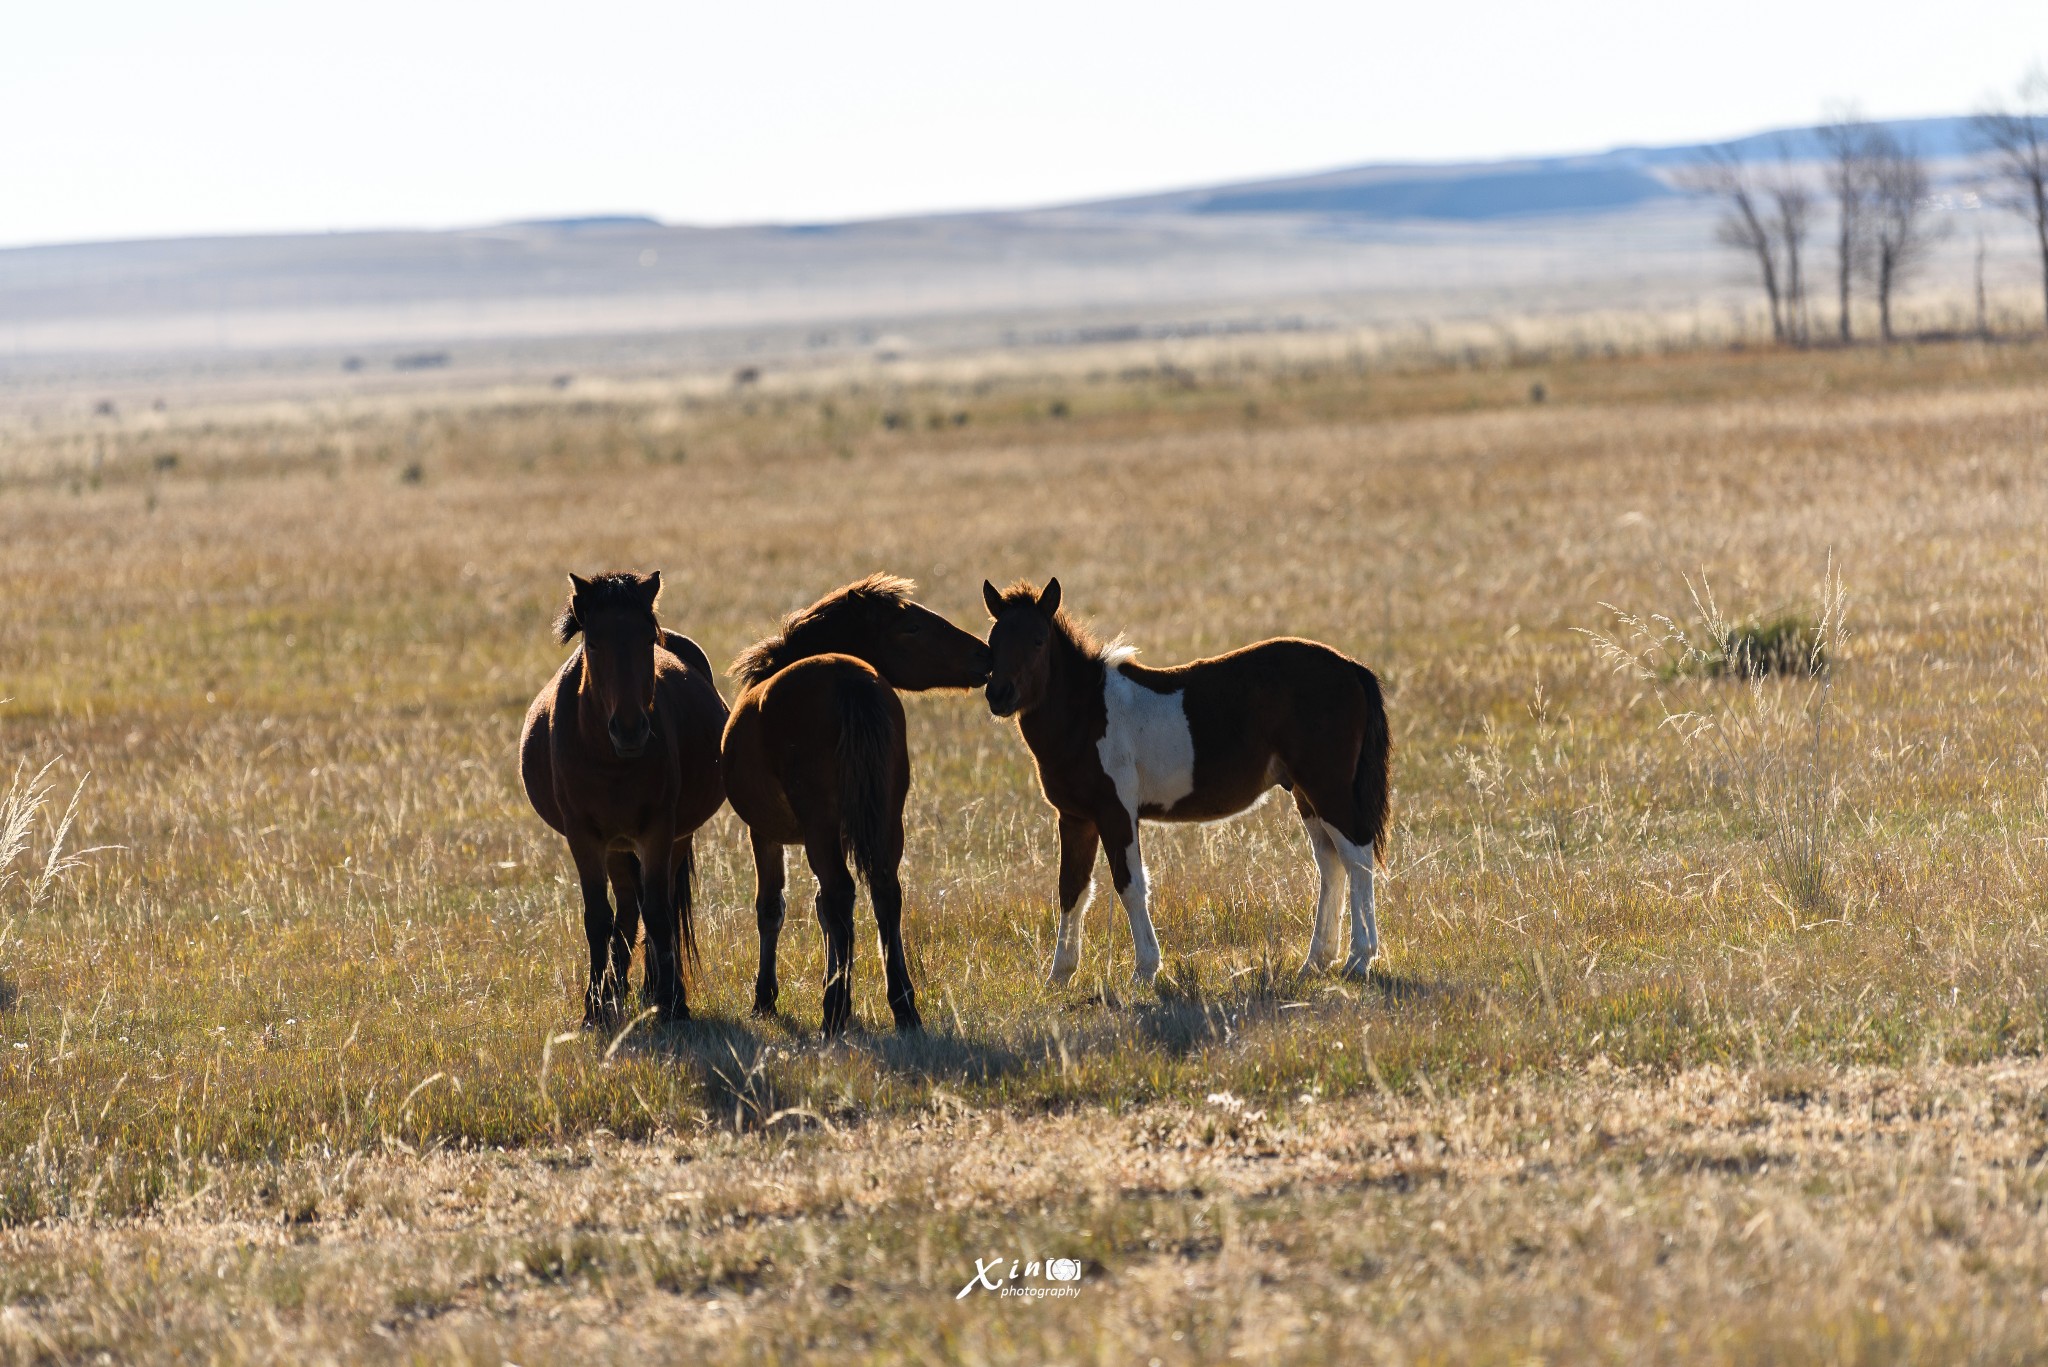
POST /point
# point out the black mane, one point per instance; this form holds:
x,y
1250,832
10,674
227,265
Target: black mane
x,y
809,631
606,591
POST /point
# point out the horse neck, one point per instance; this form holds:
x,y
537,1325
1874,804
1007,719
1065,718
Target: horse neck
x,y
1072,675
840,638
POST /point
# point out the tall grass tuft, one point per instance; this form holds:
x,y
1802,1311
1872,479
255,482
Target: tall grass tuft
x,y
1775,747
26,798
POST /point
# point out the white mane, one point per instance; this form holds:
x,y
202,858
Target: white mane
x,y
1117,652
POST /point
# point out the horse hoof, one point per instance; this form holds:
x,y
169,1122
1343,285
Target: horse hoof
x,y
1059,976
1359,968
1318,960
909,1023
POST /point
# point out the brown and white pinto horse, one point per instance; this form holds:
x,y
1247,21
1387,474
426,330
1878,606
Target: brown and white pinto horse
x,y
620,754
816,755
1115,742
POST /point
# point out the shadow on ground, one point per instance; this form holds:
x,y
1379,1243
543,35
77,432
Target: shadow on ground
x,y
759,1072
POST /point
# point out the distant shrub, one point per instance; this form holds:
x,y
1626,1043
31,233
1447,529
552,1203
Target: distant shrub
x,y
1790,645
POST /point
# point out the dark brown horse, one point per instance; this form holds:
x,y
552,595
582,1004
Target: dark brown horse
x,y
621,755
1116,742
816,755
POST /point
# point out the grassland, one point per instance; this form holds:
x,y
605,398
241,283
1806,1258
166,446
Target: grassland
x,y
1711,1015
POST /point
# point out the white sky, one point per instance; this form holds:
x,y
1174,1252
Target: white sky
x,y
133,118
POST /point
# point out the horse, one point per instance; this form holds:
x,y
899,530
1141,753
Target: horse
x,y
1116,742
620,755
816,755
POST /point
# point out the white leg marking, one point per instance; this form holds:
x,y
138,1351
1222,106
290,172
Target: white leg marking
x,y
1133,893
1066,949
1365,926
1322,934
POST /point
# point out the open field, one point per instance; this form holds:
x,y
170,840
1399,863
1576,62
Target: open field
x,y
1717,1040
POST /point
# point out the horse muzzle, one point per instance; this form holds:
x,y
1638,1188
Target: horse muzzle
x,y
1002,699
629,742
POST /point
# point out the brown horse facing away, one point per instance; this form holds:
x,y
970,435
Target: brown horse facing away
x,y
816,755
1115,742
620,754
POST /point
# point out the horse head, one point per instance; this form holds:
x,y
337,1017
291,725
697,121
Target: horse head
x,y
615,614
1019,645
915,649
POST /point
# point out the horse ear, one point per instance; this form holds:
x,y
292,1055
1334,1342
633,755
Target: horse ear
x,y
1049,598
652,586
578,585
566,625
992,598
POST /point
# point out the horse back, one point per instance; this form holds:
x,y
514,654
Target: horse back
x,y
1285,709
787,733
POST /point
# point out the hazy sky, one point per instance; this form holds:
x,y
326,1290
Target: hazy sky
x,y
129,118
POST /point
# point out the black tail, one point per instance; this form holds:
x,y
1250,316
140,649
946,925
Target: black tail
x,y
685,898
867,743
1371,781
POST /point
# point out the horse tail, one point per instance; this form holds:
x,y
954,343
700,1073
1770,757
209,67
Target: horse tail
x,y
685,899
867,742
1371,780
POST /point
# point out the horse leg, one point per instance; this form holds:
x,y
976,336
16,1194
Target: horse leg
x,y
1328,807
885,890
658,859
770,906
1365,926
1079,840
835,918
1322,935
589,857
624,871
1127,871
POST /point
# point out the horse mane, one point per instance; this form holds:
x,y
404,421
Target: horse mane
x,y
606,591
1110,653
804,631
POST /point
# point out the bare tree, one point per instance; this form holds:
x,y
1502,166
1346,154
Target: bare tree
x,y
1902,226
1791,202
1847,141
1745,224
2017,139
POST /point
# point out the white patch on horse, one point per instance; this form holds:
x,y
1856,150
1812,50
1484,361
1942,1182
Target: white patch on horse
x,y
1146,749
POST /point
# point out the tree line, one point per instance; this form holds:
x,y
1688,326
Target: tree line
x,y
1885,218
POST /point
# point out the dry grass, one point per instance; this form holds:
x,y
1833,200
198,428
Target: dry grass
x,y
257,1066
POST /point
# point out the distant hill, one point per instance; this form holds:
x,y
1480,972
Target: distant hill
x,y
1600,182
1391,244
